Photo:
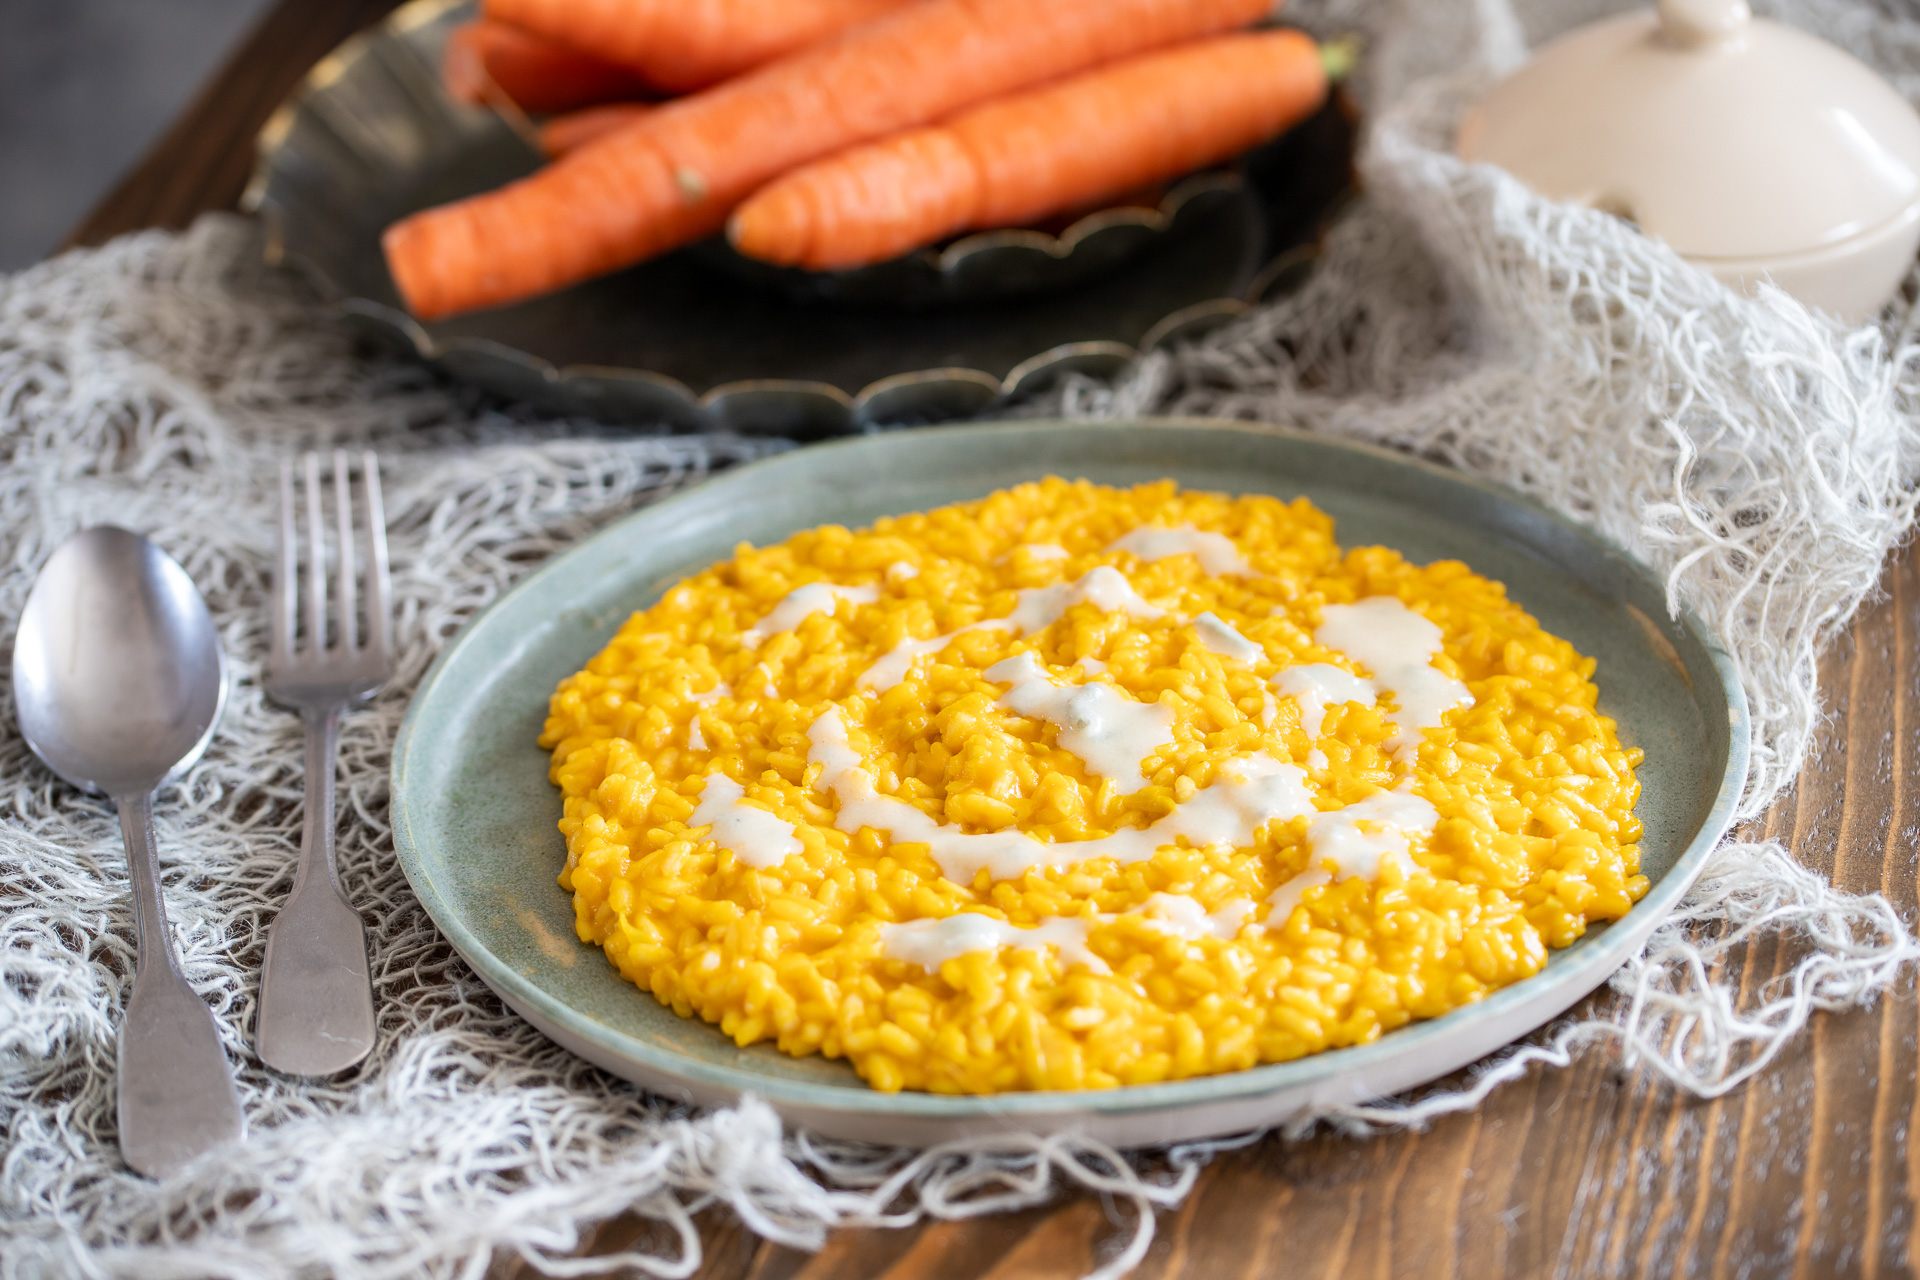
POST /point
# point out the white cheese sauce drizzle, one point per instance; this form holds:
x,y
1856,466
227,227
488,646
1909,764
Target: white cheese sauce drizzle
x,y
756,837
891,667
1398,646
1110,732
1216,552
1218,635
901,571
1105,588
1315,686
1244,798
1186,917
695,738
1393,819
1042,551
1282,901
1113,733
931,943
711,696
815,597
1038,608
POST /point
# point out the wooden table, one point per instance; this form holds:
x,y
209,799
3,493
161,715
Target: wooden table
x,y
1809,1171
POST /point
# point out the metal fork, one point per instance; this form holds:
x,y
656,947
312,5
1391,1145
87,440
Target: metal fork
x,y
316,995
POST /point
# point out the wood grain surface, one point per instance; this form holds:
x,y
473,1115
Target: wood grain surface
x,y
1806,1172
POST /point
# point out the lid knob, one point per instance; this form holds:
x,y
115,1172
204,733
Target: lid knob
x,y
1694,23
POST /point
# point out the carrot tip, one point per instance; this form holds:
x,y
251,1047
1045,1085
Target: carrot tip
x,y
1339,57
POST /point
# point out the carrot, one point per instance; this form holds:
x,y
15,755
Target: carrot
x,y
688,44
485,59
576,129
1022,157
674,175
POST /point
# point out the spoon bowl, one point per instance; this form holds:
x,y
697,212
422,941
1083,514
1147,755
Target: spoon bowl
x,y
117,672
118,681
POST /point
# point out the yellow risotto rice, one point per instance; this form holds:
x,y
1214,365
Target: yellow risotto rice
x,y
725,758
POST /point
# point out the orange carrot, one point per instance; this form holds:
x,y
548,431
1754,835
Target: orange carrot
x,y
674,175
1022,157
688,44
576,129
485,59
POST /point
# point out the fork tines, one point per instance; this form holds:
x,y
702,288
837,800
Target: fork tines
x,y
301,642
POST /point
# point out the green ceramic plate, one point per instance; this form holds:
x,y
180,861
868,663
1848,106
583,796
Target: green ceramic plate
x,y
474,814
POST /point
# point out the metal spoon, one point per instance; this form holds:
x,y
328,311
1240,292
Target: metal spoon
x,y
118,680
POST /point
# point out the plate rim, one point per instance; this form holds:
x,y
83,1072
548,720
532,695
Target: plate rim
x,y
1034,1109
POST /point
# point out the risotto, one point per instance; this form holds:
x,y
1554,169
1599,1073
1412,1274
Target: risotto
x,y
1076,787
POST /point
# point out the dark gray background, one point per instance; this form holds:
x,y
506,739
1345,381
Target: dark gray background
x,y
85,87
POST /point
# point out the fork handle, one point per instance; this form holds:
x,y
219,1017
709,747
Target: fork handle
x,y
316,995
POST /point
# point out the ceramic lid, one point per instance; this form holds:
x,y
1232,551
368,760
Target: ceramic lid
x,y
1727,136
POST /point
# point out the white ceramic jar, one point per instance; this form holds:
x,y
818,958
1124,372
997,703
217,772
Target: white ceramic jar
x,y
1756,150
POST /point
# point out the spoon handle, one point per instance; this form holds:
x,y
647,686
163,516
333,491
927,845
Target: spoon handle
x,y
176,1091
316,995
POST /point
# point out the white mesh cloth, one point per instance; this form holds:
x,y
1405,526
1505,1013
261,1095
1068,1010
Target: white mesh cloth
x,y
1759,455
